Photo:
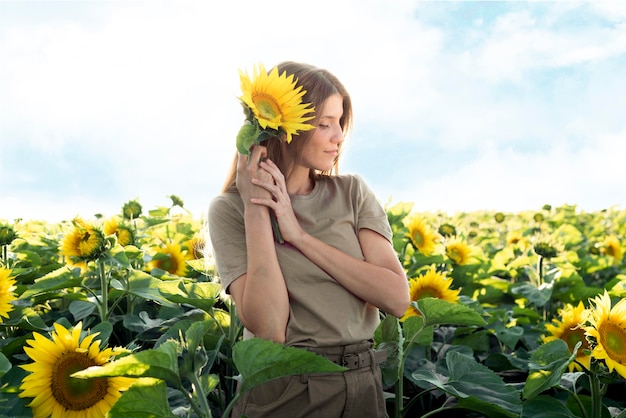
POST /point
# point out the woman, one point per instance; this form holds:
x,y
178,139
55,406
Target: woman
x,y
323,287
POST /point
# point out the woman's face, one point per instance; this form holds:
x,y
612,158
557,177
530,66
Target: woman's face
x,y
322,149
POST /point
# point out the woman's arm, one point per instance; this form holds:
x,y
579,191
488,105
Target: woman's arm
x,y
260,294
379,279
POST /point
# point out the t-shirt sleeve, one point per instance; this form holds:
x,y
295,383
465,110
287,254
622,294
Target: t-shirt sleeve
x,y
228,238
371,214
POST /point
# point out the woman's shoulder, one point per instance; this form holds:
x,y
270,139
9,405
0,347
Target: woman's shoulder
x,y
346,180
225,201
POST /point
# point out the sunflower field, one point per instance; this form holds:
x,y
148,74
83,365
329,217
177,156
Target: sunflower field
x,y
513,315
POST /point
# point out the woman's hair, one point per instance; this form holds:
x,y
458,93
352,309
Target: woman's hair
x,y
319,84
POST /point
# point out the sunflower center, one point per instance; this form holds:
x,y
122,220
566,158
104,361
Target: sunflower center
x,y
168,264
73,393
418,237
267,106
573,337
428,292
613,339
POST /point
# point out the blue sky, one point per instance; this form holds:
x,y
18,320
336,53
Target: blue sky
x,y
459,106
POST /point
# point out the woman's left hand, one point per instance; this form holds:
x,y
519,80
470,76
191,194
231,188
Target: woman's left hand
x,y
280,202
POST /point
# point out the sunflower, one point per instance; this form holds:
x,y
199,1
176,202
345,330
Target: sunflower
x,y
608,332
83,243
125,235
422,236
275,101
171,258
613,248
430,284
131,209
57,395
570,329
7,286
458,251
196,247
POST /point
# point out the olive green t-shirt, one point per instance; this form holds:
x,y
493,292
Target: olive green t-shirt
x,y
322,312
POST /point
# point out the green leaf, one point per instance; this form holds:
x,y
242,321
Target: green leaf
x,y
149,363
260,361
545,407
416,333
61,278
388,336
81,309
146,398
440,312
246,137
200,295
537,296
143,285
5,364
546,367
475,386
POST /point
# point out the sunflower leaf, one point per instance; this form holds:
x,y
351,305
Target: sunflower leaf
x,y
148,363
246,137
260,361
440,312
132,403
476,387
546,367
201,295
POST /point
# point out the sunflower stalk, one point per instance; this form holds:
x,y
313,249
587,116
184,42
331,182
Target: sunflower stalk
x,y
596,394
104,291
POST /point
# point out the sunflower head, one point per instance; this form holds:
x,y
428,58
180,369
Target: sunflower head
x,y
422,235
447,230
569,327
546,249
273,107
458,251
607,331
432,284
612,247
171,258
124,233
7,286
85,242
196,247
53,391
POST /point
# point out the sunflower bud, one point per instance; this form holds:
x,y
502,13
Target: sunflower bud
x,y
131,209
545,250
7,235
177,201
447,230
83,243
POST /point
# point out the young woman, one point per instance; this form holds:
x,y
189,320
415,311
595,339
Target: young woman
x,y
322,288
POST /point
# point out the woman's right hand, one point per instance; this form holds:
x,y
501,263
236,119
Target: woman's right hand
x,y
248,169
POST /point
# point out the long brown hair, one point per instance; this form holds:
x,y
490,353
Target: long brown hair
x,y
319,84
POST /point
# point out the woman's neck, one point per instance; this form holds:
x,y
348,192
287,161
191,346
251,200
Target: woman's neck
x,y
300,182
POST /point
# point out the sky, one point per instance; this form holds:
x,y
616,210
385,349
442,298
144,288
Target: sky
x,y
459,106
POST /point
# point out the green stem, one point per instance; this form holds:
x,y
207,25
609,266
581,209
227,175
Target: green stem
x,y
399,407
596,395
104,292
200,395
230,406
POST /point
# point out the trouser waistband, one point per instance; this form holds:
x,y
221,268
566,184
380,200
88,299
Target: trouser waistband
x,y
353,356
